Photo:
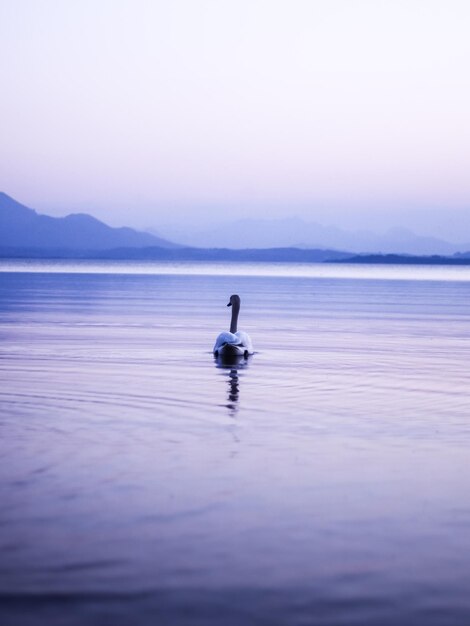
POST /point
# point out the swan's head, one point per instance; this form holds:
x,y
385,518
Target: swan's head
x,y
234,300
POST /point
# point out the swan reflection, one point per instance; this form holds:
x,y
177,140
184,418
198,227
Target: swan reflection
x,y
232,365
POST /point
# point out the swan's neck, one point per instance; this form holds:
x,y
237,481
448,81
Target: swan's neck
x,y
234,322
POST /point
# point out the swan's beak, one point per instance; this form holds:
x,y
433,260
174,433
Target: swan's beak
x,y
229,304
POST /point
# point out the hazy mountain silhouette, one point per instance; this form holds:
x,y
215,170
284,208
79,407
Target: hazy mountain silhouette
x,y
295,232
406,259
21,227
264,255
26,233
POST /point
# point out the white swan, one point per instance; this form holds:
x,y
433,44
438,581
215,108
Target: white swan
x,y
236,342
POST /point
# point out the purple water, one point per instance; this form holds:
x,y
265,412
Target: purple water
x,y
323,481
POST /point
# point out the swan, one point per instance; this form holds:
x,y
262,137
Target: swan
x,y
236,342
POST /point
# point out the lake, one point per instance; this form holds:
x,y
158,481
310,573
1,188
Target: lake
x,y
324,480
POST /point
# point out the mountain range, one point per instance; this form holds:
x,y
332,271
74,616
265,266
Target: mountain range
x,y
299,233
26,233
22,227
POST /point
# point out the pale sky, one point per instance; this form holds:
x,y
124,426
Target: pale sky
x,y
150,112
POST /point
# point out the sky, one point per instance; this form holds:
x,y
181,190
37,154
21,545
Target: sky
x,y
155,113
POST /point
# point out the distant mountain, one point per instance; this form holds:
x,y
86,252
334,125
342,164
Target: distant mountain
x,y
295,232
406,259
21,227
263,255
26,233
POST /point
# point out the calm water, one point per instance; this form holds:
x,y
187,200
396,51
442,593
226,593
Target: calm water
x,y
324,481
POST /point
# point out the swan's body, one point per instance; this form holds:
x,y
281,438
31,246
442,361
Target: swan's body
x,y
236,342
233,344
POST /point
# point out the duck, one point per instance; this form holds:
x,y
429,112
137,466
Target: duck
x,y
236,342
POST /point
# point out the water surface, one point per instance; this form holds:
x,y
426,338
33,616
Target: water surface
x,y
323,481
